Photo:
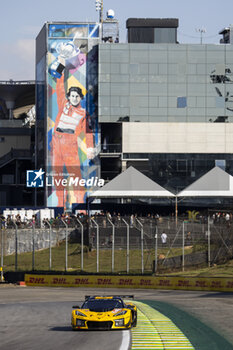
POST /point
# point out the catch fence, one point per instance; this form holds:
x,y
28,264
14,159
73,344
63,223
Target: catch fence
x,y
126,245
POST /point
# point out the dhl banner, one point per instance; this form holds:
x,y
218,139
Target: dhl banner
x,y
187,283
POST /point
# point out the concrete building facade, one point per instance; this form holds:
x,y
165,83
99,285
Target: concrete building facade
x,y
174,104
17,103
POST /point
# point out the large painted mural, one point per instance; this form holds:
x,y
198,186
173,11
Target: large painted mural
x,y
72,123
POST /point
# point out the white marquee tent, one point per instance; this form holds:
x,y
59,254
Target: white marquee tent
x,y
131,184
215,183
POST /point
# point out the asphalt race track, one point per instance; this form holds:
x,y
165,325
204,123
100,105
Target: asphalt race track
x,y
39,318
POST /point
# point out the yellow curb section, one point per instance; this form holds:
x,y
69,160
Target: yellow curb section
x,y
156,331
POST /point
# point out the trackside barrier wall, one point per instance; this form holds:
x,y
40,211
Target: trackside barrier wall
x,y
184,283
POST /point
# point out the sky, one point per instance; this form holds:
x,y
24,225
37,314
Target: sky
x,y
22,20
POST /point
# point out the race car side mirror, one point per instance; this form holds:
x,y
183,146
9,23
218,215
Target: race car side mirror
x,y
129,307
75,307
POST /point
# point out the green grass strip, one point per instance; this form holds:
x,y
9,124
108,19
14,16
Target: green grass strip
x,y
200,335
156,331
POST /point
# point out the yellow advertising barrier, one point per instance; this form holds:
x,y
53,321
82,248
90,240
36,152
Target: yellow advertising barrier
x,y
191,283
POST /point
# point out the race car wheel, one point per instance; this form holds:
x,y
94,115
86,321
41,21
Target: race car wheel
x,y
134,322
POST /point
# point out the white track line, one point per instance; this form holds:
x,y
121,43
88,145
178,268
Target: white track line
x,y
125,344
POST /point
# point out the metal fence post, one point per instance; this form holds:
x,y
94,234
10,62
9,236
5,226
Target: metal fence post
x,y
81,242
183,248
156,249
97,245
33,246
142,247
2,252
127,244
208,241
50,250
113,242
66,226
16,246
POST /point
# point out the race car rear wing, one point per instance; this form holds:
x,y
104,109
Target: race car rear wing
x,y
123,296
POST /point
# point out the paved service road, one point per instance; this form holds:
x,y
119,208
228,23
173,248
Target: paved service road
x,y
39,318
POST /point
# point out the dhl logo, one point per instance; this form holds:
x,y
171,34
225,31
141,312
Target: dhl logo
x,y
164,283
201,284
145,282
81,281
183,283
59,281
37,280
126,282
229,285
104,281
216,284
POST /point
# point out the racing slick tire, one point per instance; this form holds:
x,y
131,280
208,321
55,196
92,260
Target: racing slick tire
x,y
134,323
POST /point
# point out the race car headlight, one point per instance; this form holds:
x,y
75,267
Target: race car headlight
x,y
80,323
120,313
119,323
78,313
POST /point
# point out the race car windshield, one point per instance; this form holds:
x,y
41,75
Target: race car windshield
x,y
103,305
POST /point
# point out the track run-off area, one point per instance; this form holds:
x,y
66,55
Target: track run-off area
x,y
39,317
156,331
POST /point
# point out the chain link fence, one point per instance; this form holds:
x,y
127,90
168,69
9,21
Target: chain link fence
x,y
106,244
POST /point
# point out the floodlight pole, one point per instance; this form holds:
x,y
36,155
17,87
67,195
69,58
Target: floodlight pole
x,y
99,7
101,12
201,31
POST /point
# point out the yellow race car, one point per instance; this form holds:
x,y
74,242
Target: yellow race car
x,y
105,313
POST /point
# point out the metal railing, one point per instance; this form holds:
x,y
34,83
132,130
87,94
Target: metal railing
x,y
111,148
15,154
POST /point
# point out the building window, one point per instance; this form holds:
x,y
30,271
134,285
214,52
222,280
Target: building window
x,y
221,163
220,101
181,165
164,35
7,179
181,102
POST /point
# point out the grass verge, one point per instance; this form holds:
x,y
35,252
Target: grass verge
x,y
25,261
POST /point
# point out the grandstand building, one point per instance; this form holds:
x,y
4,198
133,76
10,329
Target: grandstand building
x,y
17,120
163,107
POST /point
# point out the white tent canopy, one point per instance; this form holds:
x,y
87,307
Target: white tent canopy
x,y
131,183
215,183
